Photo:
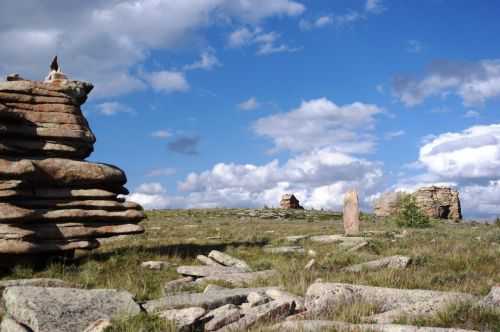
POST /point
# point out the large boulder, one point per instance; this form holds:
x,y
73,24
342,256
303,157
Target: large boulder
x,y
65,309
51,199
435,202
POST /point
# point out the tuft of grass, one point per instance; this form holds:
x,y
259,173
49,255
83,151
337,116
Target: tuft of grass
x,y
465,316
141,323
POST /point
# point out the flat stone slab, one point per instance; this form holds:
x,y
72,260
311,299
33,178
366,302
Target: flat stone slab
x,y
36,282
272,311
221,317
239,279
324,297
324,325
206,270
335,238
296,238
65,309
208,300
285,250
392,262
227,260
184,319
492,300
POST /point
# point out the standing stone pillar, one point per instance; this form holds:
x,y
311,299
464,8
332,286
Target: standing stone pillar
x,y
351,213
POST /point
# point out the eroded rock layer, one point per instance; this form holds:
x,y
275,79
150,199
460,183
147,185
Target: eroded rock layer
x,y
51,200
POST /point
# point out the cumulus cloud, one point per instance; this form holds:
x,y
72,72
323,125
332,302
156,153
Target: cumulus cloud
x,y
249,104
319,178
471,154
185,145
468,160
207,61
104,41
113,108
168,81
266,42
374,6
475,83
157,172
320,122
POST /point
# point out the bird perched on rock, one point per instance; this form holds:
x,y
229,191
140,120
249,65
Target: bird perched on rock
x,y
54,66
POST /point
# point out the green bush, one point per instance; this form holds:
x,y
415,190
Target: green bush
x,y
410,215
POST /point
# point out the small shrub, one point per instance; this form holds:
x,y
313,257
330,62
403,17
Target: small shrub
x,y
410,215
497,222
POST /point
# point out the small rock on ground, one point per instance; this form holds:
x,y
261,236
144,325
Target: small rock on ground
x,y
154,265
184,319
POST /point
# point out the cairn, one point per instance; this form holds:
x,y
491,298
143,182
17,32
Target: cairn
x,y
52,201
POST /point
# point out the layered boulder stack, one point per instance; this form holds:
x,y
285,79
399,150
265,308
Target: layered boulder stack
x,y
289,201
51,200
435,202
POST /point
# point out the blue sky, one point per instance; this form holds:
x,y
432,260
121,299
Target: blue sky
x,y
232,103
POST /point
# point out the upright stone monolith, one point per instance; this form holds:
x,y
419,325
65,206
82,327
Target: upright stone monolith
x,y
351,213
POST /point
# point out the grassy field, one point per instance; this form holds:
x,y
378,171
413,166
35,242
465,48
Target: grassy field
x,y
461,257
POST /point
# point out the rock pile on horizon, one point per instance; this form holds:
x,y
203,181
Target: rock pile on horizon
x,y
51,200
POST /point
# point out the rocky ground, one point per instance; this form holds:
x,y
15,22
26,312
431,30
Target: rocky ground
x,y
260,270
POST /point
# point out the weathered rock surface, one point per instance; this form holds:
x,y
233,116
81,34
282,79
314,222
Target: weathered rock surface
x,y
154,265
327,325
51,200
205,271
321,297
208,300
227,260
65,309
392,262
289,201
351,213
239,279
285,250
10,325
435,202
492,300
272,311
221,317
184,319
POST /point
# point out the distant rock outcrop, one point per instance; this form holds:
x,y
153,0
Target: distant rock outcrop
x,y
289,201
51,200
435,202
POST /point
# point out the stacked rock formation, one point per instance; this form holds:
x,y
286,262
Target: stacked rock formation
x,y
289,201
435,202
439,202
51,200
350,213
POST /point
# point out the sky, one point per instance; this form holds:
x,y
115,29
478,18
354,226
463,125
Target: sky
x,y
232,103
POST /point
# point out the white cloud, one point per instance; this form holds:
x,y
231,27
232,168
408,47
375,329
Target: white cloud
x,y
161,172
104,41
374,6
113,108
393,134
161,134
266,42
320,122
474,83
207,61
152,188
472,153
168,81
249,104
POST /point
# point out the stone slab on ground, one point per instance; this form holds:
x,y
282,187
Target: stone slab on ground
x,y
285,250
10,325
239,279
227,260
154,265
221,317
392,262
184,319
272,311
206,270
65,309
208,261
323,297
174,285
209,300
327,325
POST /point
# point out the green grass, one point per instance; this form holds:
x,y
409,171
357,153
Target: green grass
x,y
447,256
